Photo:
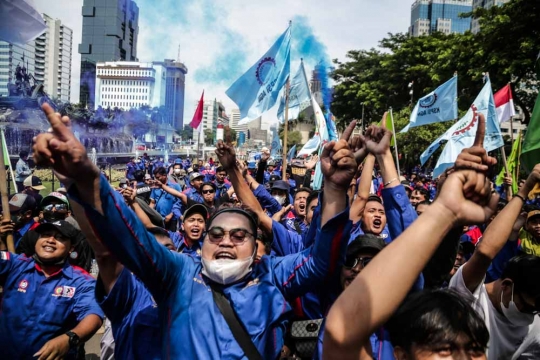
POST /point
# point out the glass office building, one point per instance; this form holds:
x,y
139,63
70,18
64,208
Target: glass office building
x,y
428,16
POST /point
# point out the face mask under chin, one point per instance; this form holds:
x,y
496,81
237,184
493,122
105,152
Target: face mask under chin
x,y
225,271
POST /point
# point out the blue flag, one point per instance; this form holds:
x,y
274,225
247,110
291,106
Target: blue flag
x,y
291,154
331,126
461,135
299,96
258,89
311,146
276,144
437,106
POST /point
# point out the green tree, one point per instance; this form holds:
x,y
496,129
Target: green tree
x,y
208,137
186,133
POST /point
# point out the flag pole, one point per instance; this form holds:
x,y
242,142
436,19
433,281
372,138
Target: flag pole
x,y
285,130
508,188
5,200
395,142
2,128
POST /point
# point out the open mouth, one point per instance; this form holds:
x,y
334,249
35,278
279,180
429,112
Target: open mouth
x,y
225,255
195,232
377,223
302,207
49,249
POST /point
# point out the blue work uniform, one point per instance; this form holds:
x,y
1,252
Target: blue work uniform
x,y
18,234
221,188
134,318
192,326
266,200
164,200
37,308
131,168
294,223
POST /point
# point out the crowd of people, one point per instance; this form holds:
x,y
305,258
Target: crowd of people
x,y
225,259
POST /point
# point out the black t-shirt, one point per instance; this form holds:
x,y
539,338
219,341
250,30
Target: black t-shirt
x,y
143,192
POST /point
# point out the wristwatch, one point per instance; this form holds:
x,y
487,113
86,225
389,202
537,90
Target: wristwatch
x,y
74,339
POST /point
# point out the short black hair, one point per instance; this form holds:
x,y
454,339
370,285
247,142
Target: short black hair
x,y
220,169
422,191
160,171
312,196
303,189
524,271
209,183
425,202
139,175
23,153
430,318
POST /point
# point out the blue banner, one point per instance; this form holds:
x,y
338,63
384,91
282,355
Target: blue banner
x,y
437,106
299,96
258,89
276,144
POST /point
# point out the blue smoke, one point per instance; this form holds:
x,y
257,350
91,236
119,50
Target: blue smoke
x,y
306,44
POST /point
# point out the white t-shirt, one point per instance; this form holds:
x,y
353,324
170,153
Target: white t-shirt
x,y
504,338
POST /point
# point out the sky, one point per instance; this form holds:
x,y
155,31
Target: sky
x,y
220,40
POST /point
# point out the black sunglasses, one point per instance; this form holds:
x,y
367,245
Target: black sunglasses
x,y
208,191
237,236
353,262
58,207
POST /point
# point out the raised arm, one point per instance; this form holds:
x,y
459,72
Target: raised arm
x,y
111,219
363,189
497,234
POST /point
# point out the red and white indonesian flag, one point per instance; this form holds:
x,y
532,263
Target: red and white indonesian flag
x,y
504,104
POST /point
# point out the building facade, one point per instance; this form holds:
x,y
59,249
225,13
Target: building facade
x,y
486,4
235,118
12,56
428,16
213,113
53,59
109,33
175,85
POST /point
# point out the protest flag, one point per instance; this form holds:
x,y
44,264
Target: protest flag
x,y
299,95
504,103
257,90
197,117
530,153
437,106
511,166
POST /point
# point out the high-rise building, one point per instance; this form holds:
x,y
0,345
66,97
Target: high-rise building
x,y
130,84
428,16
175,82
12,56
109,33
53,59
235,118
486,4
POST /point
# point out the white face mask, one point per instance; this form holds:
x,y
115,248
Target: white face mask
x,y
226,271
177,171
279,199
516,317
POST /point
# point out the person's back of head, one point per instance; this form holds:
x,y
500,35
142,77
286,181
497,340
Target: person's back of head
x,y
524,271
139,175
437,320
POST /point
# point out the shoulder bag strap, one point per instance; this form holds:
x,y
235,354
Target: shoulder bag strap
x,y
239,332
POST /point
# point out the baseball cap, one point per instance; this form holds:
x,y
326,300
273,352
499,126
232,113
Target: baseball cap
x,y
532,214
280,185
55,196
123,182
62,190
62,226
21,203
271,163
195,175
274,178
34,182
365,242
178,161
196,209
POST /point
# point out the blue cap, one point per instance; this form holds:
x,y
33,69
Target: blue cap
x,y
252,165
178,161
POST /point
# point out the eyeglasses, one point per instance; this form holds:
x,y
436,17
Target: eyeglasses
x,y
58,207
237,236
208,191
354,261
56,235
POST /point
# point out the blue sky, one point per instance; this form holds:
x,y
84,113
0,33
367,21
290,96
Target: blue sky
x,y
221,39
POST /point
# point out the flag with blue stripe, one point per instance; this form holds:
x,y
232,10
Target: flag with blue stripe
x,y
258,89
437,106
291,154
276,144
299,96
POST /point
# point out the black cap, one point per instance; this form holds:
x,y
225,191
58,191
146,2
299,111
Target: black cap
x,y
274,178
196,209
21,203
63,228
365,242
280,185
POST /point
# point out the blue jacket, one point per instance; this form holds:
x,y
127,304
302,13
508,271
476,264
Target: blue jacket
x,y
191,324
164,200
134,318
221,188
36,308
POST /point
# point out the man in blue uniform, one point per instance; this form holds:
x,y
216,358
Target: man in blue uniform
x,y
186,288
163,202
131,167
48,309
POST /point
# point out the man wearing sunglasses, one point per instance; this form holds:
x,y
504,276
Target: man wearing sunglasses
x,y
187,288
55,207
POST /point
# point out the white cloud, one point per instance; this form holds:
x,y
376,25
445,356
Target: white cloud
x,y
221,40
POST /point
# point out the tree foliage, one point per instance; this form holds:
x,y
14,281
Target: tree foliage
x,y
377,79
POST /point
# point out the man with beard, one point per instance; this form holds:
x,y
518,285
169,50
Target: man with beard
x,y
55,207
21,208
193,294
48,308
